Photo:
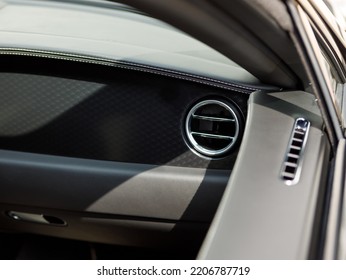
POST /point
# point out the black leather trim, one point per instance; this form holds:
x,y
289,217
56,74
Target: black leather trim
x,y
74,109
135,66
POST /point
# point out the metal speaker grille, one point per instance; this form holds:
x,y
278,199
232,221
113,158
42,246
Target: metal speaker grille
x,y
292,165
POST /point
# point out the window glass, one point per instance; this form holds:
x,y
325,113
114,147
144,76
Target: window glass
x,y
332,69
334,80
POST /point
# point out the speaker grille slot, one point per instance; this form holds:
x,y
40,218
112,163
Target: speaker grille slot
x,y
292,164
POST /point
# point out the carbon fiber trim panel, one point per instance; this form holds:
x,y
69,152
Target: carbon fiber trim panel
x,y
90,111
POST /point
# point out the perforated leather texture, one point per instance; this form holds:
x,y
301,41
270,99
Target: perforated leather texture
x,y
91,111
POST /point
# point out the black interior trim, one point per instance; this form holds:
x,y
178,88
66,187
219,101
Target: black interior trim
x,y
81,110
138,190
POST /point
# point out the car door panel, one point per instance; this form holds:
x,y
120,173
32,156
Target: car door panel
x,y
104,148
260,216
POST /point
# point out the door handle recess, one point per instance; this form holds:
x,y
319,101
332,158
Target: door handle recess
x,y
36,218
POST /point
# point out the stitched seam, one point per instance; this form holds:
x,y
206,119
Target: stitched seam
x,y
110,62
127,65
133,64
190,75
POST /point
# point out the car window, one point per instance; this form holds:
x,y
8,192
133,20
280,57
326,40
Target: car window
x,y
334,79
331,62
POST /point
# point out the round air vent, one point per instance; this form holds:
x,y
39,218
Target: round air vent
x,y
212,127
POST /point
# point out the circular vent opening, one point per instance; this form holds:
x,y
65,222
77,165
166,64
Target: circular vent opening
x,y
212,127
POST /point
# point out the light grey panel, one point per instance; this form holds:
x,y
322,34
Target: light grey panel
x,y
335,244
158,192
260,217
113,35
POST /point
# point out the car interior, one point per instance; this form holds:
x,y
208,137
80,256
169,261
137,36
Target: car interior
x,y
144,132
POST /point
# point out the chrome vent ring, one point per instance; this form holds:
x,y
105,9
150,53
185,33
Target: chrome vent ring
x,y
212,127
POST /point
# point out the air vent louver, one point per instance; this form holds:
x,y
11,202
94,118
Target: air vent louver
x,y
292,164
212,127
